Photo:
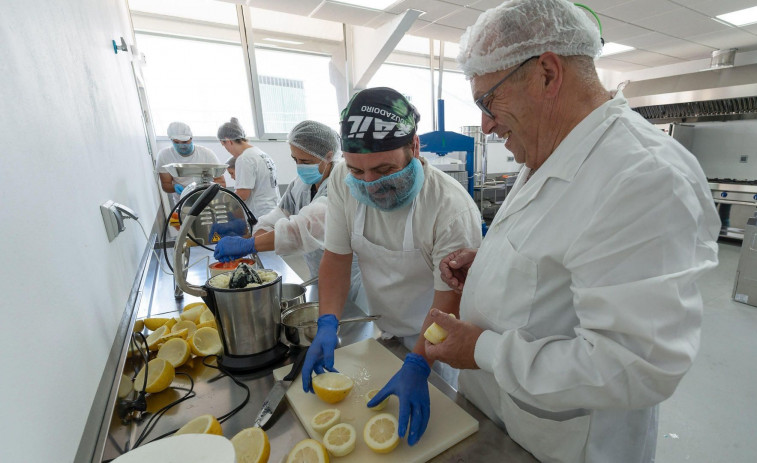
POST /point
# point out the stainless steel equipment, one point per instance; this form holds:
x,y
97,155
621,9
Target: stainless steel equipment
x,y
293,294
745,286
249,319
736,201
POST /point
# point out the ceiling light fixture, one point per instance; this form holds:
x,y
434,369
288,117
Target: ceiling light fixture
x,y
288,42
740,17
612,48
370,4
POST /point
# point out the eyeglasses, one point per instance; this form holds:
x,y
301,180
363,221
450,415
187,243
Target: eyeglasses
x,y
480,100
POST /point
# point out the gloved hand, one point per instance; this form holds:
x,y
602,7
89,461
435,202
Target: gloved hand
x,y
234,227
320,356
233,247
410,385
178,188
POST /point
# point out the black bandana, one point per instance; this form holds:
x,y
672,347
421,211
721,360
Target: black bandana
x,y
377,119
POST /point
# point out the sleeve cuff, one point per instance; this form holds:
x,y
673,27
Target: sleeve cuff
x,y
485,349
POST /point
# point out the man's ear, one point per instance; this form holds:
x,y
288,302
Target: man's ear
x,y
416,146
552,69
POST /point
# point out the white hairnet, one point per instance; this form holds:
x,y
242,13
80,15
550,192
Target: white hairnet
x,y
509,34
316,139
179,131
231,130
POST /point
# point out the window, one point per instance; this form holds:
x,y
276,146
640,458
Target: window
x,y
198,82
459,108
293,87
200,10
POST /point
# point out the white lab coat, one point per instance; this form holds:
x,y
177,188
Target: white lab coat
x,y
586,287
300,226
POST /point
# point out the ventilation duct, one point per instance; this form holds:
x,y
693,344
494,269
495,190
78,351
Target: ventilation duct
x,y
721,93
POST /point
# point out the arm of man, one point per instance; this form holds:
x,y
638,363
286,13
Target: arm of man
x,y
220,180
166,182
243,193
334,274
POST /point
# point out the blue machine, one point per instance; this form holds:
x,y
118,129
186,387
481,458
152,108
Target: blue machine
x,y
442,143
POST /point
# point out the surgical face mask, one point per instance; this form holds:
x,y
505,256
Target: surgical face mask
x,y
185,149
309,173
392,192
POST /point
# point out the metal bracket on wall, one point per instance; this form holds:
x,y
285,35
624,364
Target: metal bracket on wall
x,y
122,47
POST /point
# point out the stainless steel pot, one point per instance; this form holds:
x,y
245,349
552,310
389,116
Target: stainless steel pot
x,y
249,319
293,294
300,323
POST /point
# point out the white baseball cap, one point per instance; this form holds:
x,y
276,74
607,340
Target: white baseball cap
x,y
179,131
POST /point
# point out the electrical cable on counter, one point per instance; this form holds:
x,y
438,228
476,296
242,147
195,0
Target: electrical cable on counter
x,y
235,410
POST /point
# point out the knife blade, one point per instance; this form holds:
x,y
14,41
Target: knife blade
x,y
279,390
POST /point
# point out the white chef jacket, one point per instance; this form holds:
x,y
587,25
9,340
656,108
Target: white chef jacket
x,y
256,171
586,287
169,155
444,219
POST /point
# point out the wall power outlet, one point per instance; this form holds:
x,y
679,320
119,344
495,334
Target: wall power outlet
x,y
113,217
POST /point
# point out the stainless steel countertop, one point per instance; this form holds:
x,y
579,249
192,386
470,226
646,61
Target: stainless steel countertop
x,y
218,395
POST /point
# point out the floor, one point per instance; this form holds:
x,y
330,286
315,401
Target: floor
x,y
711,416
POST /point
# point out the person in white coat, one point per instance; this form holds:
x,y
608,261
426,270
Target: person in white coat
x,y
182,150
400,216
256,181
580,312
298,224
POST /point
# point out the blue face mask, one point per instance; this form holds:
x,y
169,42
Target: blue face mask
x,y
309,173
185,149
392,192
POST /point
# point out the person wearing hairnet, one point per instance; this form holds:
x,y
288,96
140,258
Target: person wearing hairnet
x,y
400,216
580,312
256,181
182,150
298,224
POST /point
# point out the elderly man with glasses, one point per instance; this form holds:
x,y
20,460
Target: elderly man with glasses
x,y
580,311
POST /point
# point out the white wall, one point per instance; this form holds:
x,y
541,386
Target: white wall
x,y
72,138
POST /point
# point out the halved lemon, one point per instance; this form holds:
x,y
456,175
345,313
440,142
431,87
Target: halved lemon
x,y
154,337
206,316
203,424
194,313
194,304
380,433
154,323
139,325
251,446
435,333
340,439
206,341
369,396
332,387
176,351
185,325
322,421
124,387
160,374
308,451
171,322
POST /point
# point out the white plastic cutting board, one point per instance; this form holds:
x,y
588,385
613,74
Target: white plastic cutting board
x,y
371,365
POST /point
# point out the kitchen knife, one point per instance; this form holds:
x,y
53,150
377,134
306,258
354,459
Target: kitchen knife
x,y
279,390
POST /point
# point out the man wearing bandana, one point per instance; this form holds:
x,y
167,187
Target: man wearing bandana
x,y
400,216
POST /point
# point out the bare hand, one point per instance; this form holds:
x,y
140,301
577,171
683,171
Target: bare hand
x,y
458,349
455,267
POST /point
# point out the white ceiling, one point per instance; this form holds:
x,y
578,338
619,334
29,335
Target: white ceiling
x,y
662,31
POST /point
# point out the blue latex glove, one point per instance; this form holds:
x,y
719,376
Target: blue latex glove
x,y
320,356
178,188
410,385
233,247
234,227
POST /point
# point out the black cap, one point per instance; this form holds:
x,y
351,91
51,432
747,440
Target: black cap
x,y
378,119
